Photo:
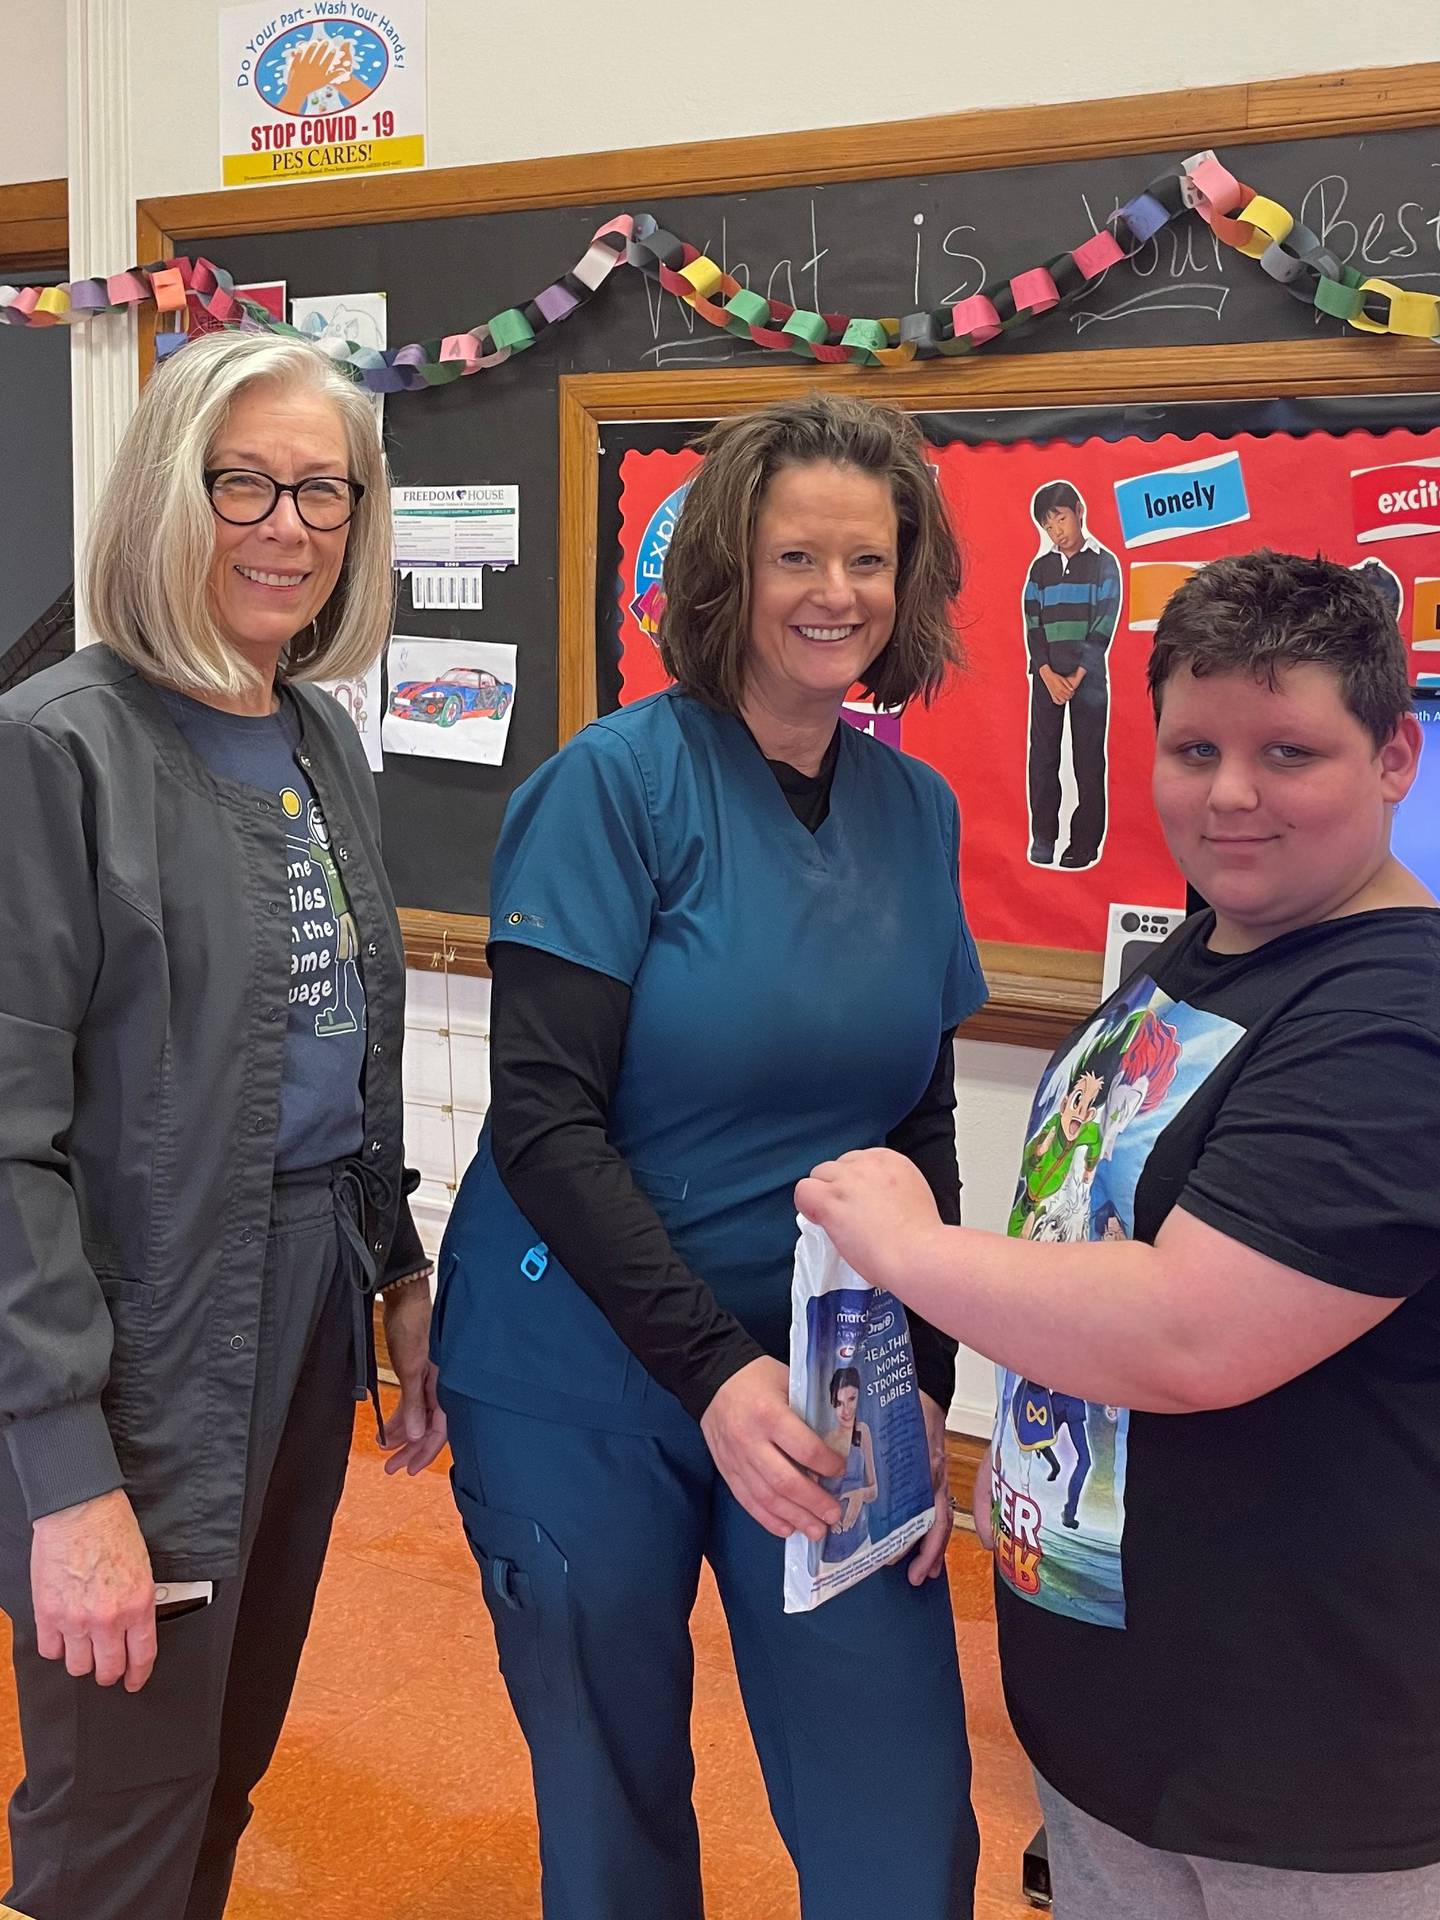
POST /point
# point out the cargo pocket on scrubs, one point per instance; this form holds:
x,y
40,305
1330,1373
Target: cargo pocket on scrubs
x,y
526,1583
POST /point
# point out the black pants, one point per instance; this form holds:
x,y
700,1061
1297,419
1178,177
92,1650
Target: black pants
x,y
1089,711
132,1805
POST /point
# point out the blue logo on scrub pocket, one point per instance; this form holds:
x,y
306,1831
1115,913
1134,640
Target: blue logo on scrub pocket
x,y
535,1262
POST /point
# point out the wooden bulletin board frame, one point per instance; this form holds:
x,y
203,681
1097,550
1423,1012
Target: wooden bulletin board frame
x,y
1036,994
34,227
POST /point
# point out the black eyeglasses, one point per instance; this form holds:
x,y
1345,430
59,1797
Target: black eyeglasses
x,y
323,502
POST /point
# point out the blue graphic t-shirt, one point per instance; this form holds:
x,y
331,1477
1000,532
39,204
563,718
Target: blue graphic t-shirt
x,y
321,1097
1217,1630
1059,1478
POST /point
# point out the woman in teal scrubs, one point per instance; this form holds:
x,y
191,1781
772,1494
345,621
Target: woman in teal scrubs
x,y
727,942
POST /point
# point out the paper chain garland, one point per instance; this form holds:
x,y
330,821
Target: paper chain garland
x,y
1290,253
425,363
1261,228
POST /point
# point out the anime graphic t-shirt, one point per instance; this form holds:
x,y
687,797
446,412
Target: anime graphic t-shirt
x,y
1105,1101
1193,1609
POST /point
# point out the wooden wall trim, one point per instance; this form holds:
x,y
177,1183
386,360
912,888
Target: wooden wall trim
x,y
987,137
445,942
34,226
964,1456
1030,1008
1343,102
1358,364
577,558
1025,1009
152,242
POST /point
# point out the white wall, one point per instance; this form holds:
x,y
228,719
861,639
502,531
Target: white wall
x,y
994,1086
568,76
32,126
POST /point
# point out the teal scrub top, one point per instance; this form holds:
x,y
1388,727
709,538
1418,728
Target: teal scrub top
x,y
788,993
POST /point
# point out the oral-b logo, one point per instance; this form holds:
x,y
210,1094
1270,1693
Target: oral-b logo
x,y
882,1325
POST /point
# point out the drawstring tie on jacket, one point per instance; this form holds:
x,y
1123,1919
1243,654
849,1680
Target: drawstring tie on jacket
x,y
357,1263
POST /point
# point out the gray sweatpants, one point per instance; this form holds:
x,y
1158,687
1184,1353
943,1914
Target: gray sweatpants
x,y
1101,1874
133,1804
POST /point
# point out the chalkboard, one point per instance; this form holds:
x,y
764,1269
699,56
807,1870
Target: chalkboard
x,y
35,477
872,247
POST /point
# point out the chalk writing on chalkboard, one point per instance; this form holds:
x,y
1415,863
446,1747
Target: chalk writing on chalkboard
x,y
1182,270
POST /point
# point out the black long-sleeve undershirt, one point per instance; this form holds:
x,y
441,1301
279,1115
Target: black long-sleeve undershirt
x,y
557,1032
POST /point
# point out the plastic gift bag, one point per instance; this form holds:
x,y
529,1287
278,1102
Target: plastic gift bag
x,y
852,1378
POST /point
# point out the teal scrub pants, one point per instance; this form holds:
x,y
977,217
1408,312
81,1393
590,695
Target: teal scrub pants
x,y
589,1545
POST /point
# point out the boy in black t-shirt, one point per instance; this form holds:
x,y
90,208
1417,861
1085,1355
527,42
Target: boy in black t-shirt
x,y
1218,1621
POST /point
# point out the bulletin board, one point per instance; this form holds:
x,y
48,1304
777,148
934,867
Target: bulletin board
x,y
872,219
1184,485
1170,474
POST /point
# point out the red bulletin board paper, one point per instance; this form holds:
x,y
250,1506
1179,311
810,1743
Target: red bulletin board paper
x,y
648,483
1301,500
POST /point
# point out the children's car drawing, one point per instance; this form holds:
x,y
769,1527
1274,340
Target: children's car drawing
x,y
460,693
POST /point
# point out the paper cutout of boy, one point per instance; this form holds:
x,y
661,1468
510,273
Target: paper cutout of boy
x,y
1072,605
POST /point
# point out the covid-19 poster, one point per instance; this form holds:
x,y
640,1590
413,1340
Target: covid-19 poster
x,y
320,88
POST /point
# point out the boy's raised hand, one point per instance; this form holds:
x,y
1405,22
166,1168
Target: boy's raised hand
x,y
871,1204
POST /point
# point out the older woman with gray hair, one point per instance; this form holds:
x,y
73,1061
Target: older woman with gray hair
x,y
201,1169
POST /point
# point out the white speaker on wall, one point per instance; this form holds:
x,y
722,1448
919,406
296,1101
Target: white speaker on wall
x,y
1129,937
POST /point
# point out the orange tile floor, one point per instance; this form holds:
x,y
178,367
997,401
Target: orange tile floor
x,y
401,1785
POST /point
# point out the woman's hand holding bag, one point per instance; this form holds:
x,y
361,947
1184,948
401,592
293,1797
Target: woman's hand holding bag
x,y
760,1447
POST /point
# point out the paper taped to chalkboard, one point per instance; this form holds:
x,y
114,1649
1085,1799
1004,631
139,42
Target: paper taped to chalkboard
x,y
450,699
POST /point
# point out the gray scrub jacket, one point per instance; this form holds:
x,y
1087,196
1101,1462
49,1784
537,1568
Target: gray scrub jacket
x,y
144,981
